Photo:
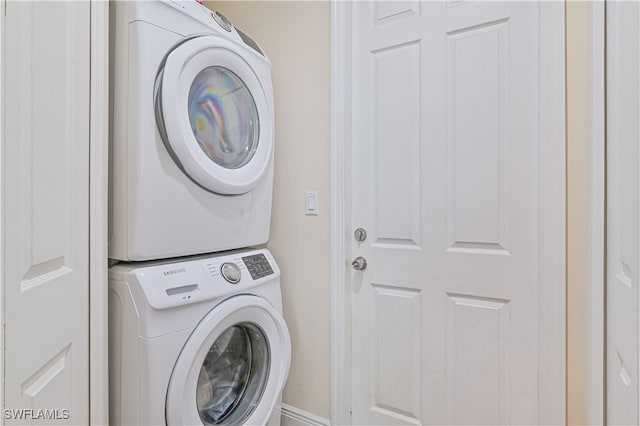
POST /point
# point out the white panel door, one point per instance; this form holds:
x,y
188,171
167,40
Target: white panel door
x,y
45,198
623,189
447,163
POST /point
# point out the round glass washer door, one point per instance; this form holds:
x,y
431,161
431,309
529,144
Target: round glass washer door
x,y
213,115
233,375
233,366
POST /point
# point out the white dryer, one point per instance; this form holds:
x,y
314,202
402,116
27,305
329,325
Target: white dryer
x,y
192,133
200,341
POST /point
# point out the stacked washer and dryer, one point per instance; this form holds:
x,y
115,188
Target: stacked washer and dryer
x,y
196,332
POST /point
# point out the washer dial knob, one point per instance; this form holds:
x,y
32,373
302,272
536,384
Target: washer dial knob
x,y
231,272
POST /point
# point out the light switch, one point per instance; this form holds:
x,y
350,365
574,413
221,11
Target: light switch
x,y
312,203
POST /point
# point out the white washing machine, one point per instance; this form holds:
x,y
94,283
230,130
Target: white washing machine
x,y
192,133
200,341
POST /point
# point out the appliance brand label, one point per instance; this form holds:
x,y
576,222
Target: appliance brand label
x,y
174,272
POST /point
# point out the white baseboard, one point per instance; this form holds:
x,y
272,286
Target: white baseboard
x,y
292,416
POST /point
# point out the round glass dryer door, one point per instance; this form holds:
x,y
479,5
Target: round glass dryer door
x,y
213,115
232,368
223,117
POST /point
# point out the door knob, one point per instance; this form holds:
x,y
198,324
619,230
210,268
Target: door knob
x,y
359,263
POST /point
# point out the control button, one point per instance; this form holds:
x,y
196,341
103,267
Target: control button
x,y
222,21
231,272
258,266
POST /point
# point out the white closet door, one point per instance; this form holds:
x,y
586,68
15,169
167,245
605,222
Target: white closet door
x,y
458,181
45,161
623,213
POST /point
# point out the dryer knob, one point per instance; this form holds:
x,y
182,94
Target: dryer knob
x,y
231,272
222,21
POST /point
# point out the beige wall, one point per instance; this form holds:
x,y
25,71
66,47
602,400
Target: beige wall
x,y
578,123
296,37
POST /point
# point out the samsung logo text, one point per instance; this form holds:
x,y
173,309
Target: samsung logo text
x,y
174,271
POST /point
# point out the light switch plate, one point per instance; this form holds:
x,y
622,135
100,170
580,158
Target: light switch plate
x,y
311,204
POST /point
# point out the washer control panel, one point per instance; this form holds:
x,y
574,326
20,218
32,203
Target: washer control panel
x,y
206,277
258,266
231,272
